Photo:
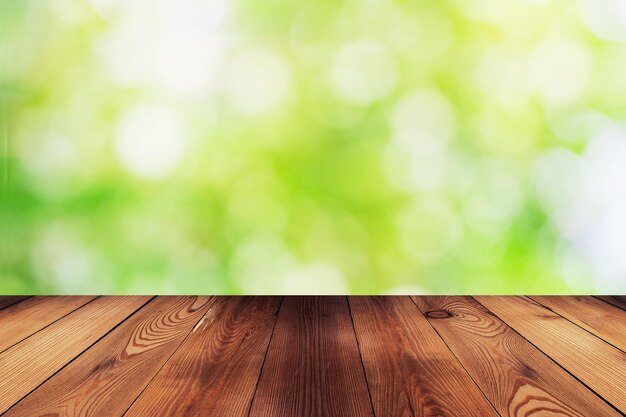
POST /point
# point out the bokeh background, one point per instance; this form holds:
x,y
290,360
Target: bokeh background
x,y
328,146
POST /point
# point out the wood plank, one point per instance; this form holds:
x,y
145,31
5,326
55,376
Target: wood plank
x,y
599,365
7,301
313,366
517,378
33,314
617,301
602,319
215,371
409,369
107,378
26,365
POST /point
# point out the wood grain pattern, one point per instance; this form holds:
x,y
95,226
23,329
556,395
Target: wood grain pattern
x,y
312,356
29,363
33,314
617,301
602,319
515,376
6,301
409,369
106,379
215,371
313,366
599,365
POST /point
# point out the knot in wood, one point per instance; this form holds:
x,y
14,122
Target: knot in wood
x,y
438,314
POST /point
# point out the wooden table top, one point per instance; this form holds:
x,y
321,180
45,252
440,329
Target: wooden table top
x,y
312,356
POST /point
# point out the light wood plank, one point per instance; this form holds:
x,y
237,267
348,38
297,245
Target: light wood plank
x,y
33,314
29,363
409,369
599,365
604,320
517,378
107,378
7,301
215,371
313,366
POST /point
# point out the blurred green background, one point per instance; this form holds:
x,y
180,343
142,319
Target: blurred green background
x,y
330,146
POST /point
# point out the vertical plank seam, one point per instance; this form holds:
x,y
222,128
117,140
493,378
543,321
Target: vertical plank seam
x,y
80,354
358,345
575,324
269,343
455,357
550,357
49,324
164,363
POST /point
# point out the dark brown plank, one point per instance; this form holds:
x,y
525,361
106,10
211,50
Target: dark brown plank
x,y
313,366
409,369
617,301
7,301
106,379
597,364
33,314
602,319
29,363
215,371
515,376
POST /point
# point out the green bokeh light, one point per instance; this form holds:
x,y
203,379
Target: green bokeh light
x,y
354,147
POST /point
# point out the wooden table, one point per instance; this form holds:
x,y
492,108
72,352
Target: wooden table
x,y
312,356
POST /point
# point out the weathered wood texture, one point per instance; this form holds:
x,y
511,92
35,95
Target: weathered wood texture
x,y
599,365
605,321
29,363
313,368
106,379
514,375
312,356
409,369
33,314
216,370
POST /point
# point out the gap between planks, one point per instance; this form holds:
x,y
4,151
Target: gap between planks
x,y
56,360
579,368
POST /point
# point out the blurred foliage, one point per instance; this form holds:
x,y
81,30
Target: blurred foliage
x,y
357,146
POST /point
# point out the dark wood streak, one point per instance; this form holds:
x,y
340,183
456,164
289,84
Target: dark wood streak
x,y
108,377
514,375
617,301
215,371
313,367
410,370
7,301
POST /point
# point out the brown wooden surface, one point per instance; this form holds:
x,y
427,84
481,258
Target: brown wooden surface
x,y
602,319
6,301
313,367
514,375
109,376
312,356
29,363
405,359
217,368
617,301
599,365
33,314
